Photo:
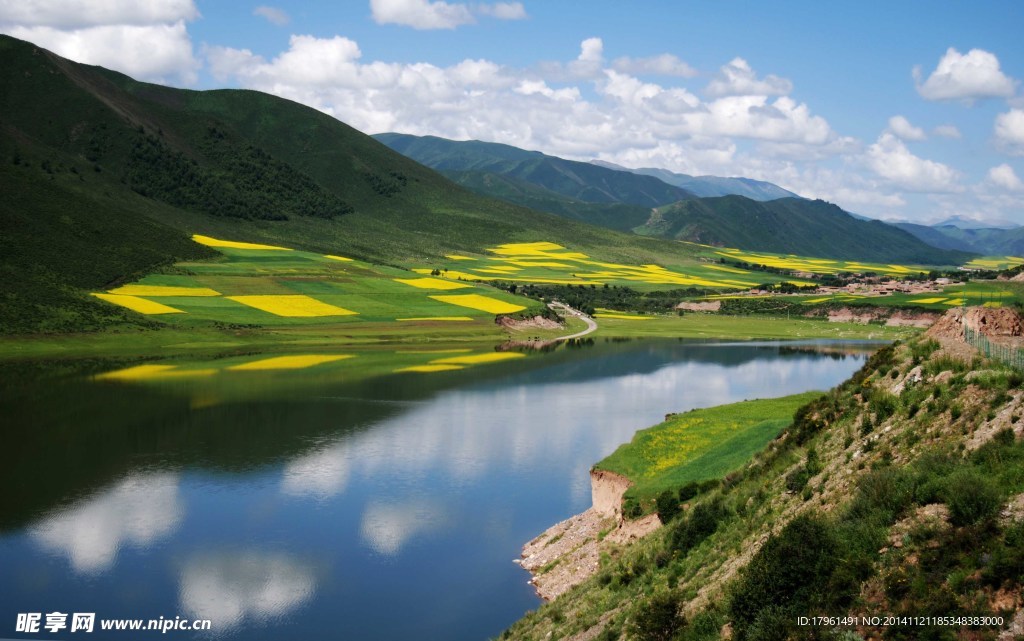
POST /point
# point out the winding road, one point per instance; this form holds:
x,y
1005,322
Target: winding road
x,y
591,323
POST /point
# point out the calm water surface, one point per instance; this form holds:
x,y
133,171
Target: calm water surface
x,y
315,504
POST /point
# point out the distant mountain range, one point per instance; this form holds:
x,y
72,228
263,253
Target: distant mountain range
x,y
744,213
710,186
980,240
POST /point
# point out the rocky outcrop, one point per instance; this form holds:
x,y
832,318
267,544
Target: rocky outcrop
x,y
565,554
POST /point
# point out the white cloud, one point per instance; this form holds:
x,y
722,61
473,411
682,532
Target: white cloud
x,y
947,131
147,40
900,126
436,14
420,14
231,587
272,14
502,10
890,159
1009,131
76,14
663,65
1004,176
588,107
738,79
545,109
975,74
139,510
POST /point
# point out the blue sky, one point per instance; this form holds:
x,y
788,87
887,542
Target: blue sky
x,y
821,98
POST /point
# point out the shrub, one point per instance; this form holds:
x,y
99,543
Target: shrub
x,y
787,575
657,619
699,524
667,505
884,493
971,497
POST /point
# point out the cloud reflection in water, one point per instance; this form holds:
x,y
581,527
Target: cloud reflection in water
x,y
232,587
138,510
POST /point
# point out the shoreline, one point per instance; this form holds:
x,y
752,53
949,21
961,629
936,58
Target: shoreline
x,y
569,552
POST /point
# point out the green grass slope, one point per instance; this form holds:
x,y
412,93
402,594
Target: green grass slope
x,y
792,226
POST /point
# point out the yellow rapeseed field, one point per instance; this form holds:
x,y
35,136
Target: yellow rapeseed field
x,y
296,305
300,361
231,244
928,301
482,303
162,290
432,283
341,258
140,305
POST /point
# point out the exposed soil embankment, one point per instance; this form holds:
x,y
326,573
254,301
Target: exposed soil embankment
x,y
710,306
893,318
537,322
568,553
1000,324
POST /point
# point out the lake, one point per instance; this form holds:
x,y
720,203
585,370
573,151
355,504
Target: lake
x,y
336,501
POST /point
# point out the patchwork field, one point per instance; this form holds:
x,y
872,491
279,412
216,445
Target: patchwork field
x,y
995,262
549,263
270,286
812,265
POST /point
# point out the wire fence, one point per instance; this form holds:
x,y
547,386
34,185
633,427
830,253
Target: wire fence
x,y
1012,356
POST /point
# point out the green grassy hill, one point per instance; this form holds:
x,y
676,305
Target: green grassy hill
x,y
792,226
105,178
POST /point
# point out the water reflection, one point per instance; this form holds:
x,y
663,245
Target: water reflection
x,y
229,588
138,510
410,491
387,527
320,474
